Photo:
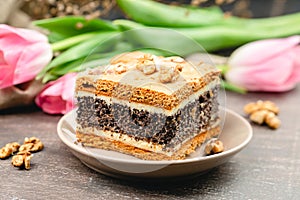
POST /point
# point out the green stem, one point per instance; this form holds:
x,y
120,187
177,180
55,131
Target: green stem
x,y
223,68
179,16
153,13
271,22
219,37
71,41
213,38
234,88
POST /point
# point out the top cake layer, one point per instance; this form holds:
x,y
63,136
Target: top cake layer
x,y
147,79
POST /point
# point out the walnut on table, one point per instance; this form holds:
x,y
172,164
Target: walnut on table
x,y
22,159
261,105
9,149
263,112
32,144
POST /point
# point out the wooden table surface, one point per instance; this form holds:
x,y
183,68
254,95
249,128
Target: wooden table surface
x,y
269,168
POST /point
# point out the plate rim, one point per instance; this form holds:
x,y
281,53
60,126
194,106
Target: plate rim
x,y
82,150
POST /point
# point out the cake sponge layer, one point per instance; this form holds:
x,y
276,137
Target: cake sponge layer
x,y
90,140
125,78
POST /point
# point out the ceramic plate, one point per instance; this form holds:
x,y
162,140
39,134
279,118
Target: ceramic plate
x,y
236,134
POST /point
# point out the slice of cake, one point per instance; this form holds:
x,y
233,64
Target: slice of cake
x,y
154,108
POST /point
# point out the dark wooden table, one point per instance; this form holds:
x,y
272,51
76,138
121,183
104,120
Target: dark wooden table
x,y
269,168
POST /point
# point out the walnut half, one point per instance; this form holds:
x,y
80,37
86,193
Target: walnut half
x,y
22,159
32,144
169,74
263,112
213,147
9,149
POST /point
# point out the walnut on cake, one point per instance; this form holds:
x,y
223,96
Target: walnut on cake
x,y
147,106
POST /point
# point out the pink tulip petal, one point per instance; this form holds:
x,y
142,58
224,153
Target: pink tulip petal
x,y
6,76
53,105
260,51
275,70
69,86
57,97
55,89
295,75
23,53
68,94
12,41
31,62
11,56
26,34
70,105
297,56
276,74
266,65
256,86
2,60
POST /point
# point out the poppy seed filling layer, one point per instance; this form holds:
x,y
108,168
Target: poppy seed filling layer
x,y
193,118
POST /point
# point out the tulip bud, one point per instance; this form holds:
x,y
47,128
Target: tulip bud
x,y
57,97
267,65
23,54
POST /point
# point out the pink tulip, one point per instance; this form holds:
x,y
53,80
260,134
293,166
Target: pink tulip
x,y
267,65
23,53
57,97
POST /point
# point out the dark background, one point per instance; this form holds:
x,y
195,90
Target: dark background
x,y
39,9
243,8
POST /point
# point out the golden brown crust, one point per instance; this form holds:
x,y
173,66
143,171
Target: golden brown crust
x,y
143,95
186,149
85,84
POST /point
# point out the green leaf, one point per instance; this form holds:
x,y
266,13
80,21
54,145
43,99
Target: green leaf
x,y
49,77
54,37
90,61
100,42
68,26
83,63
71,41
153,13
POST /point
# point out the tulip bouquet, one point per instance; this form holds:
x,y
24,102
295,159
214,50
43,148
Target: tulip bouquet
x,y
23,54
259,64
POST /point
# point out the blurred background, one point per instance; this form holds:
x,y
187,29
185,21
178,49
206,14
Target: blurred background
x,y
20,13
16,12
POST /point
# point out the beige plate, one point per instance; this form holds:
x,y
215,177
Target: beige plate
x,y
236,134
